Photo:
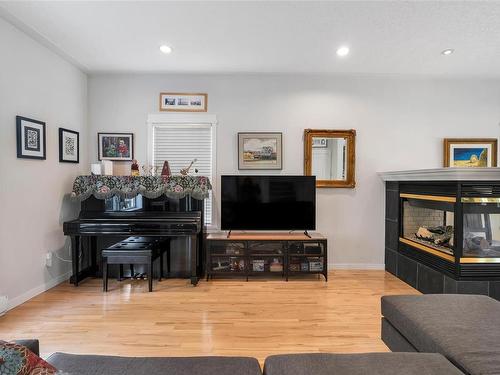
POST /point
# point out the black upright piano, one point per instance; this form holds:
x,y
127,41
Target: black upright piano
x,y
139,216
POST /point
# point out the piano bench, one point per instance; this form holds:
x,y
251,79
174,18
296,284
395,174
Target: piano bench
x,y
163,245
130,253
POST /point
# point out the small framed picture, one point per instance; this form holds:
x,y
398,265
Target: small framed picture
x,y
31,138
178,102
470,152
115,146
260,151
69,146
319,142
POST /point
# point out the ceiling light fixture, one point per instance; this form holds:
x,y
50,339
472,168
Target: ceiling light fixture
x,y
165,49
342,51
447,52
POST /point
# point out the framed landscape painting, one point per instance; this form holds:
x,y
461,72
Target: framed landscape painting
x,y
470,152
179,102
115,146
31,138
69,146
260,151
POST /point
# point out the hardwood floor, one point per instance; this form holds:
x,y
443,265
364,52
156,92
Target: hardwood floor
x,y
220,317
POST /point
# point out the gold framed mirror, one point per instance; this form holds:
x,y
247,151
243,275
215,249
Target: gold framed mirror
x,y
330,156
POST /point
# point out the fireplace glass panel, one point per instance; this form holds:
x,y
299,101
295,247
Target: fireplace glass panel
x,y
481,230
429,223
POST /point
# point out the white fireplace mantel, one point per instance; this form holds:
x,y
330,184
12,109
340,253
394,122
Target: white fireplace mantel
x,y
443,174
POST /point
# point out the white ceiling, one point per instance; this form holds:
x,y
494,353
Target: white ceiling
x,y
389,37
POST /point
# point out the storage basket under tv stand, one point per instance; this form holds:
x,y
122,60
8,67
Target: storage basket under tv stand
x,y
253,253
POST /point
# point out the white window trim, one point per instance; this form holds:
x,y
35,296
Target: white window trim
x,y
166,119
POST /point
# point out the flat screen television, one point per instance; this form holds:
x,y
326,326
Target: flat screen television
x,y
268,202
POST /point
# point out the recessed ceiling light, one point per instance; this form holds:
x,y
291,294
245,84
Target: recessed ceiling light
x,y
342,51
166,49
447,52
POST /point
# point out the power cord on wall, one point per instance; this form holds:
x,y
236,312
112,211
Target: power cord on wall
x,y
61,259
80,254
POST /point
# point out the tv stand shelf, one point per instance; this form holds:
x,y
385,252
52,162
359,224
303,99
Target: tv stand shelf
x,y
285,236
285,254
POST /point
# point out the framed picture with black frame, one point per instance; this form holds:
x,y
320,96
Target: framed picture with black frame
x,y
69,146
31,138
115,146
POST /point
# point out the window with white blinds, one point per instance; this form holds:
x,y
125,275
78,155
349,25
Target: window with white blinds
x,y
181,144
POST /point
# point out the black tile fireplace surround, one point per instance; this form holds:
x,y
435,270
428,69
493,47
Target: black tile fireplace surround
x,y
444,236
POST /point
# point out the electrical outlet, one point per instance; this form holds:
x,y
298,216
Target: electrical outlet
x,y
4,303
48,259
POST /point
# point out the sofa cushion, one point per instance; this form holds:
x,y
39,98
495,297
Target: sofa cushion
x,y
464,328
394,340
360,364
96,364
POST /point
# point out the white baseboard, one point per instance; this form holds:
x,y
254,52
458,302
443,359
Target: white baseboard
x,y
37,290
4,304
355,266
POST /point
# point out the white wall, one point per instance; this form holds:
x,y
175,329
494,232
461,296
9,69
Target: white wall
x,y
36,83
400,124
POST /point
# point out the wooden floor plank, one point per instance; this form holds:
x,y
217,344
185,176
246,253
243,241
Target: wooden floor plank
x,y
220,317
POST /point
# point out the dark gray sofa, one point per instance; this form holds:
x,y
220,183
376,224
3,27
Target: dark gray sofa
x,y
74,364
95,364
360,364
463,328
293,364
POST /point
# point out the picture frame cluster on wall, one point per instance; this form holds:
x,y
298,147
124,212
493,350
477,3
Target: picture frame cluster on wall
x,y
31,138
470,152
182,102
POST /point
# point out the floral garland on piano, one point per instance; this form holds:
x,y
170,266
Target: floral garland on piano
x,y
176,187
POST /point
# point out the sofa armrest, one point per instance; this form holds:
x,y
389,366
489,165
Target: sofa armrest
x,y
31,344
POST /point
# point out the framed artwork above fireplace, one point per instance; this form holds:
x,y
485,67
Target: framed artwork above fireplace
x,y
470,152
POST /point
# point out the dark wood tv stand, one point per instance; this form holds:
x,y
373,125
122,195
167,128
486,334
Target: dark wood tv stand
x,y
272,253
